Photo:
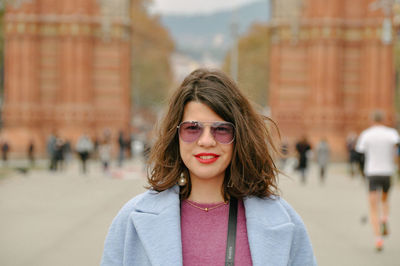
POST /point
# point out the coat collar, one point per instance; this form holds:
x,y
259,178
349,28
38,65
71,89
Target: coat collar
x,y
157,222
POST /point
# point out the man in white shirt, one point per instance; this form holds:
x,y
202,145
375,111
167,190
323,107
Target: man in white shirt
x,y
378,143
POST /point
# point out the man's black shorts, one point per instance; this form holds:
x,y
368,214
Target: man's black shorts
x,y
379,182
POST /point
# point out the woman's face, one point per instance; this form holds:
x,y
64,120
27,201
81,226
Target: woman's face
x,y
205,158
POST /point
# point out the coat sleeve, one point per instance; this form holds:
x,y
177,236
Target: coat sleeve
x,y
301,251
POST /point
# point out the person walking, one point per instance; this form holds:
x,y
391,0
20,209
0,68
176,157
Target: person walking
x,y
59,154
378,144
213,196
84,147
121,145
51,151
31,153
351,141
5,149
284,155
323,155
303,149
105,154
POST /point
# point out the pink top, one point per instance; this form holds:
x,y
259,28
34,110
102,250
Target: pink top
x,y
204,235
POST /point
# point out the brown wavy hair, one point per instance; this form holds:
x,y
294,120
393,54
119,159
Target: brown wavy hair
x,y
252,171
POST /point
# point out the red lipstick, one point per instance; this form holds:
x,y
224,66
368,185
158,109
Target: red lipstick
x,y
207,158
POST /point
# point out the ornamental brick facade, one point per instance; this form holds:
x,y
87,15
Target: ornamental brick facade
x,y
67,70
331,65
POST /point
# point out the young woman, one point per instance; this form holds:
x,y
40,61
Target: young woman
x,y
212,197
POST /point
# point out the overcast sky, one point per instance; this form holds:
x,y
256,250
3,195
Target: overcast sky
x,y
195,6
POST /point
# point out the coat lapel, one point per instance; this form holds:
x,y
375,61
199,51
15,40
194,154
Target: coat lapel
x,y
269,232
157,222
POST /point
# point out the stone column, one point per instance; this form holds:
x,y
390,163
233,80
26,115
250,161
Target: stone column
x,y
21,89
377,85
111,68
324,115
75,62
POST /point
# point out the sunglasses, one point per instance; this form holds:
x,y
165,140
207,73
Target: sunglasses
x,y
190,131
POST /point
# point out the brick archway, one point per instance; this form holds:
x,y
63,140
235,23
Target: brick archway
x,y
61,73
329,69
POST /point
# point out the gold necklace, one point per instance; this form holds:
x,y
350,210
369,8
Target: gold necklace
x,y
207,209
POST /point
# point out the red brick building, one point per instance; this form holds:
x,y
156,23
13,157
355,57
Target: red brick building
x,y
331,65
67,69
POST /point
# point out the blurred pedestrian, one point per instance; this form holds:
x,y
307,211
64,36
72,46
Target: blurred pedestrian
x,y
284,154
361,163
51,148
128,146
378,144
226,209
5,149
95,152
105,154
31,153
84,147
323,156
59,154
67,152
121,145
353,156
303,148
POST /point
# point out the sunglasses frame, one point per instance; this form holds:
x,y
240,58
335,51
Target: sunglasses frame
x,y
211,123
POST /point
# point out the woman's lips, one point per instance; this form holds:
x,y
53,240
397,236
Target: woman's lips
x,y
206,158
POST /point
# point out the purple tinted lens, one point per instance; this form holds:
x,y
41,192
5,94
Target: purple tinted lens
x,y
223,132
190,131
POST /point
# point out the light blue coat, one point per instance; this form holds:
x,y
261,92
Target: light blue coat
x,y
147,231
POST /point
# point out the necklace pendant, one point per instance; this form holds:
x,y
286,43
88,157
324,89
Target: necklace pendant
x,y
206,209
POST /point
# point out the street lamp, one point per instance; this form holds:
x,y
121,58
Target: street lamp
x,y
235,47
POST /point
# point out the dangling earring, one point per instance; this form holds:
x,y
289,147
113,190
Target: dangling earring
x,y
182,180
230,183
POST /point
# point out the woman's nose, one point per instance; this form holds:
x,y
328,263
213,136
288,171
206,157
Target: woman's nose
x,y
206,138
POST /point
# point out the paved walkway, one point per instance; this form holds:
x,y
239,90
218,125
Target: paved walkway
x,y
336,215
62,218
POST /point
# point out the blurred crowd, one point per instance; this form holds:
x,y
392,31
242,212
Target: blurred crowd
x,y
61,151
299,154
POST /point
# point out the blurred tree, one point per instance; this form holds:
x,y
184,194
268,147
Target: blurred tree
x,y
253,63
152,47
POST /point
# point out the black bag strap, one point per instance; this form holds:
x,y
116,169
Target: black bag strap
x,y
231,241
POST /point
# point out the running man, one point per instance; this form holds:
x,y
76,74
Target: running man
x,y
378,144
